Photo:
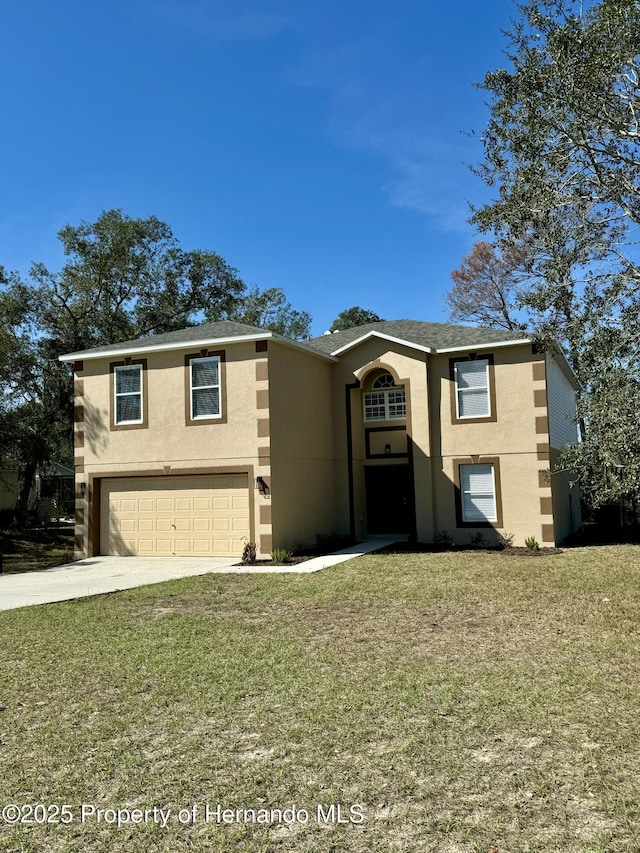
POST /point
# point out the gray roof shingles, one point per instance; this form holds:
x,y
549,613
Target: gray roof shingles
x,y
434,336
431,335
203,332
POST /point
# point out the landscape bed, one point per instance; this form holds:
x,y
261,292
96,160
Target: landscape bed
x,y
464,701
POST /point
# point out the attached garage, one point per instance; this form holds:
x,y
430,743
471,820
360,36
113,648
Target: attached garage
x,y
193,516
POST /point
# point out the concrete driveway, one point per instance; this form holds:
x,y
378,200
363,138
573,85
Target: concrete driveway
x,y
97,575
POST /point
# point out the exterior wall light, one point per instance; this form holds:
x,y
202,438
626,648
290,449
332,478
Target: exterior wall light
x,y
261,486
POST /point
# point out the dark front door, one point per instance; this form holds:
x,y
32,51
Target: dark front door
x,y
389,504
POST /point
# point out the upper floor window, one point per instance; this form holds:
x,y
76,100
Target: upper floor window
x,y
128,404
473,398
386,401
205,398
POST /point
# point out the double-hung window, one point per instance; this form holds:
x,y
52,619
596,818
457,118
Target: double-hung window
x,y
386,401
128,402
473,398
205,396
478,493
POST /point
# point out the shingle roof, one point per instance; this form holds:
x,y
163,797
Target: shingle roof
x,y
206,331
434,336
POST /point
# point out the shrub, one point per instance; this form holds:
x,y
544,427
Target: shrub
x,y
443,539
281,555
531,543
248,553
476,540
505,540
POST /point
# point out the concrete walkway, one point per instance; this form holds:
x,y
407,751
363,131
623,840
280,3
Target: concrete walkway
x,y
98,575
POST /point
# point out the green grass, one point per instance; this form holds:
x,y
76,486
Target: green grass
x,y
466,700
26,550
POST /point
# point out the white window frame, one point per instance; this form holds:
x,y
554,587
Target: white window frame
x,y
385,393
463,492
116,395
459,390
193,388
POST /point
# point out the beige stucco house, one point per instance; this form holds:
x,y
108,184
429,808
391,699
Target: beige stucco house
x,y
195,441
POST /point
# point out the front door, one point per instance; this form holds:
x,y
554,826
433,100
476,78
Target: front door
x,y
389,504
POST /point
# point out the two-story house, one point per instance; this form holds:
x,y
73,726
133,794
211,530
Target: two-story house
x,y
195,441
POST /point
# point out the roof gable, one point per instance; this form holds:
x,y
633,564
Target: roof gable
x,y
427,337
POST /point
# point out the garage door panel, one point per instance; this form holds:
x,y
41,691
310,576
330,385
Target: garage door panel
x,y
175,515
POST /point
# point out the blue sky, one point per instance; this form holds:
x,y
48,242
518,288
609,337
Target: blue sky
x,y
319,147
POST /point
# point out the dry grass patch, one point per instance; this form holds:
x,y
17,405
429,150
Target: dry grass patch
x,y
28,550
467,701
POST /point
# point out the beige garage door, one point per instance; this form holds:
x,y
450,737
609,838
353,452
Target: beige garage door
x,y
181,516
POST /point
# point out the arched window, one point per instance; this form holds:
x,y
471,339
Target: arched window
x,y
384,381
386,401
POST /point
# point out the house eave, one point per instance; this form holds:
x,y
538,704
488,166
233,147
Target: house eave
x,y
474,347
430,350
383,337
89,355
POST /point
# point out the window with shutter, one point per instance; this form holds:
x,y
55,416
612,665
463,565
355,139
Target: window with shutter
x,y
473,399
205,387
478,493
128,408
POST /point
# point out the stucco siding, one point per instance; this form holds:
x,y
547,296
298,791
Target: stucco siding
x,y
515,438
562,406
168,445
567,514
302,453
410,369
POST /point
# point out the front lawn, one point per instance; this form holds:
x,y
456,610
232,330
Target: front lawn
x,y
466,701
27,550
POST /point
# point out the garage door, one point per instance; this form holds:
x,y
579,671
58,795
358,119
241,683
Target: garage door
x,y
181,516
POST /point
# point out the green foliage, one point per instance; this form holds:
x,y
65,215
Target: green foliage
x,y
443,539
505,540
532,543
477,540
561,150
281,555
268,309
126,278
355,316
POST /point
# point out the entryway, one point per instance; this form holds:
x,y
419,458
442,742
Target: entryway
x,y
389,499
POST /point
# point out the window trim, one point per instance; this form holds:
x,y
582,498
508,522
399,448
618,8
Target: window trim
x,y
220,418
494,461
492,417
144,422
397,386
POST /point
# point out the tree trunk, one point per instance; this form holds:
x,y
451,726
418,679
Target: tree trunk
x,y
27,476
